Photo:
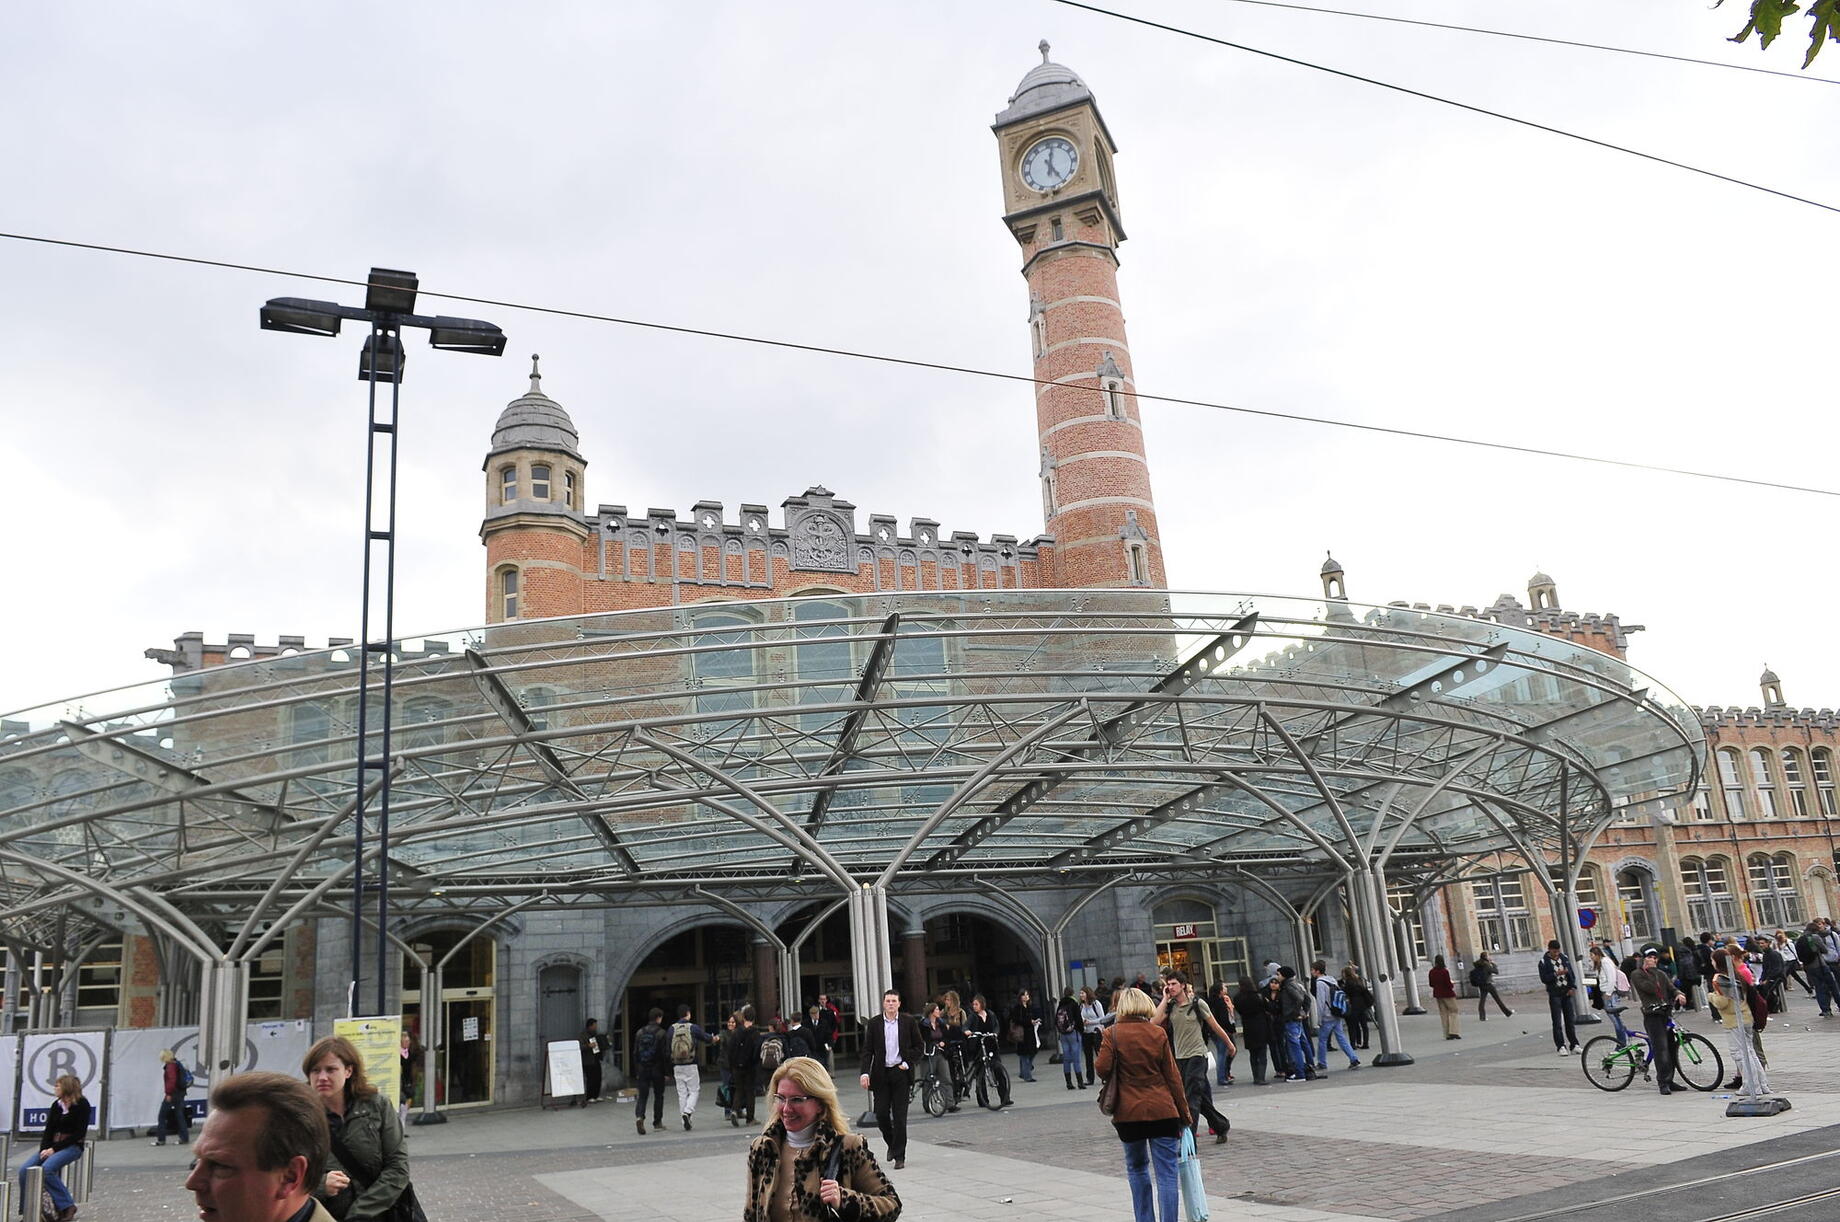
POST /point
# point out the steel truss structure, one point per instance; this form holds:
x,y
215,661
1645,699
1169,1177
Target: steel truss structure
x,y
838,748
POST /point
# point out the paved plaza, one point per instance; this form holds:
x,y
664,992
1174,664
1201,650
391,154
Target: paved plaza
x,y
1495,1116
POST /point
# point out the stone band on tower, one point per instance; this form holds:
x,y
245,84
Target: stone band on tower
x,y
1061,205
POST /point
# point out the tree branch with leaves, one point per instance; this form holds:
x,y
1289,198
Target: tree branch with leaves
x,y
1767,17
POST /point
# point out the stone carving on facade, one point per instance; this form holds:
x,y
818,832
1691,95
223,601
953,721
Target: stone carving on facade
x,y
821,541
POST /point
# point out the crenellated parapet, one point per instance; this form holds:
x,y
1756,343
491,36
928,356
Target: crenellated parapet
x,y
191,652
1605,633
1715,718
818,534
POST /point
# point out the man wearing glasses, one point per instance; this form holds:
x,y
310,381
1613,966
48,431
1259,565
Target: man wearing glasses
x,y
890,1050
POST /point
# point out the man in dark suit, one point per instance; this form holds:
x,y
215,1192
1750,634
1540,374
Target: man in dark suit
x,y
890,1050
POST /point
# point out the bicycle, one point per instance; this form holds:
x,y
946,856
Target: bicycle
x,y
992,1079
1609,1067
930,1086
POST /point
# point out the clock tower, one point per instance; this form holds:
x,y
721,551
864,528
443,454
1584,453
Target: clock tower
x,y
1060,202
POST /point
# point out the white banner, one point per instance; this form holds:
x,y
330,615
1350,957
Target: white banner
x,y
9,1072
48,1058
564,1064
136,1082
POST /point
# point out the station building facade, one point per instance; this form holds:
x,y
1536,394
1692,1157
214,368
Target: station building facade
x,y
1754,850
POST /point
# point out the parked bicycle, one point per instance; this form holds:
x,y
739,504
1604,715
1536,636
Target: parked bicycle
x,y
1608,1066
933,1087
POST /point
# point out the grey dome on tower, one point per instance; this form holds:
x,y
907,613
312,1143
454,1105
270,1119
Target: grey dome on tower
x,y
1047,86
533,420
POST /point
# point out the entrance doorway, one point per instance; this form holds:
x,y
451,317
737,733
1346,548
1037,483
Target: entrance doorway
x,y
466,1066
709,968
973,954
1188,940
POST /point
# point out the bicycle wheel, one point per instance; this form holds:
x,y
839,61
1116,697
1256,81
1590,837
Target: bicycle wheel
x,y
1608,1067
933,1097
1698,1063
990,1086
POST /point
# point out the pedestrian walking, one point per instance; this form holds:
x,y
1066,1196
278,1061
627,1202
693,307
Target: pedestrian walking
x,y
687,1039
1071,1028
1445,994
1482,975
1025,1034
1220,1005
1331,1001
1256,1029
1294,1008
1188,1021
649,1066
1360,1004
175,1117
890,1049
1151,1110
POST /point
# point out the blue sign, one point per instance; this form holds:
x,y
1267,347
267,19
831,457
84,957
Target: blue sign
x,y
1586,918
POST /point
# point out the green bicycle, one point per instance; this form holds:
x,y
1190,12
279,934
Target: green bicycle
x,y
1696,1061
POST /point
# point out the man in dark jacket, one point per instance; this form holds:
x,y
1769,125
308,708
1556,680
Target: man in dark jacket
x,y
1561,985
890,1050
651,1059
1655,990
593,1048
829,1024
1294,1010
743,1051
1686,970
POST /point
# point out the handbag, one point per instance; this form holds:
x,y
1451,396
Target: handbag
x,y
1108,1094
1188,1175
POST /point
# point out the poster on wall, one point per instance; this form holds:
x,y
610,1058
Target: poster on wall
x,y
46,1058
135,1081
379,1042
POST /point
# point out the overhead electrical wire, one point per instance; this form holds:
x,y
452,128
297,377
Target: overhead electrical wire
x,y
1557,42
939,366
1444,101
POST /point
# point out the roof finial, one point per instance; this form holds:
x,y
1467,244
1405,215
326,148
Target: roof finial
x,y
1044,50
536,379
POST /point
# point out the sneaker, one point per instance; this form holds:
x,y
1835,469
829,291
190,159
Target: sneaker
x,y
686,1122
158,1142
1354,1064
1565,1052
1296,1077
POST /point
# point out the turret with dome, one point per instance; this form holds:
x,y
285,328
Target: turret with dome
x,y
534,493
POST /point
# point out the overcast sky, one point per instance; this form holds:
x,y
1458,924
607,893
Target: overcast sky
x,y
826,174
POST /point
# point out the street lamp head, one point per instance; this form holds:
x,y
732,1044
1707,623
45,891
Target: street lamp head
x,y
300,316
390,292
466,335
383,356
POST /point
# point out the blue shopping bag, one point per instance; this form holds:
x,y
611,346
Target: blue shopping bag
x,y
1188,1174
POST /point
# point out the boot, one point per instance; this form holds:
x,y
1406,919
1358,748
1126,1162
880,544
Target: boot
x,y
1070,1085
642,1126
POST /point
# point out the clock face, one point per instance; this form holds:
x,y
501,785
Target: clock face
x,y
1049,163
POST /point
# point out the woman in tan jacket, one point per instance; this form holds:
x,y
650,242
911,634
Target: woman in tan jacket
x,y
1152,1107
807,1166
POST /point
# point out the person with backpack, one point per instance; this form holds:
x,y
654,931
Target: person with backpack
x,y
1071,1028
1188,1021
649,1070
1687,973
798,1039
175,1080
686,1036
1482,979
1332,1000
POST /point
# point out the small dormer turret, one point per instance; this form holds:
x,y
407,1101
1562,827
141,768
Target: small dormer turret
x,y
1542,593
1333,585
1772,688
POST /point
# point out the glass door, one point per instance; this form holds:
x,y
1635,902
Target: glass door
x,y
466,1062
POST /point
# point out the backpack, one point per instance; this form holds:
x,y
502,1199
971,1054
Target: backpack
x,y
185,1077
1478,976
1063,1021
1338,1001
772,1052
683,1045
648,1044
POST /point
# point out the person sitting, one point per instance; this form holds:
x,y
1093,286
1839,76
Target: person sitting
x,y
66,1125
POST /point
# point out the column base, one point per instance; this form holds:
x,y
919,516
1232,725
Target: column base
x,y
428,1118
1392,1058
1413,1010
1763,1105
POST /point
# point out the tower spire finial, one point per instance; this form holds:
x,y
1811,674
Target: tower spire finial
x,y
1043,48
536,379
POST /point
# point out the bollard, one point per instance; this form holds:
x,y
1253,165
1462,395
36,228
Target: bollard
x,y
86,1174
31,1190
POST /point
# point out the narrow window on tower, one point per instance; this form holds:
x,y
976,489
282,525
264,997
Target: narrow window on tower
x,y
508,593
568,489
1138,556
539,483
1050,486
1114,398
1054,229
507,485
1038,325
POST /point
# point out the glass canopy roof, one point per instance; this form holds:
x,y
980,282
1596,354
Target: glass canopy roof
x,y
806,747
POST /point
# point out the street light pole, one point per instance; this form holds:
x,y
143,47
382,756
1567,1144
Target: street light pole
x,y
389,305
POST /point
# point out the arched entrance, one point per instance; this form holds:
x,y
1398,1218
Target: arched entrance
x,y
824,960
467,1013
1188,939
709,968
974,954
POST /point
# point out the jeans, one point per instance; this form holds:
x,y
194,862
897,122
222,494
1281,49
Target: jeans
x,y
174,1118
650,1081
1483,993
1166,1199
1564,1033
1332,1027
1025,1066
1223,1060
1661,1045
1823,976
1616,1018
1070,1056
60,1195
1296,1045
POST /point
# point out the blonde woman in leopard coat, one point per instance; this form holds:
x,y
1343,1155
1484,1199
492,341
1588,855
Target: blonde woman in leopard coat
x,y
786,1163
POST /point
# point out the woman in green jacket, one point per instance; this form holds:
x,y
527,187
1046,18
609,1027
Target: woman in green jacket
x,y
369,1168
